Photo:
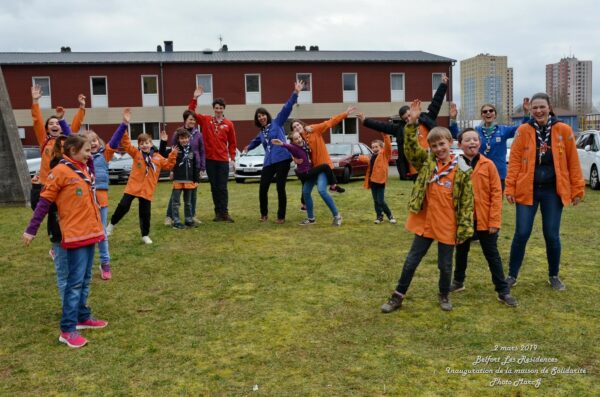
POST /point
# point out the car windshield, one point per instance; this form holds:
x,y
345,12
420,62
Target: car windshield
x,y
257,151
339,149
32,153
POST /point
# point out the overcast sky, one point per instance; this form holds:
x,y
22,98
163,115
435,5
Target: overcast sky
x,y
531,33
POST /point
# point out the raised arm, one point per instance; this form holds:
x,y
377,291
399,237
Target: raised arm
x,y
338,118
453,125
414,153
438,98
285,112
36,114
79,115
60,113
162,147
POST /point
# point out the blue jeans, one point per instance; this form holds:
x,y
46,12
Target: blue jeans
x,y
75,309
322,188
170,210
62,269
551,207
103,245
187,205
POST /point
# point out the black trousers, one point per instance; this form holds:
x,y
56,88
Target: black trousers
x,y
489,245
279,171
145,209
419,248
218,176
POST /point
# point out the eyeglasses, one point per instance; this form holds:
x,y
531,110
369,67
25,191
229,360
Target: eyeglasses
x,y
486,111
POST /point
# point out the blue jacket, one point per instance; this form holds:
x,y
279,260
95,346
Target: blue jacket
x,y
275,153
100,170
497,143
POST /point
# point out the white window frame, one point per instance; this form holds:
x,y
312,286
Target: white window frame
x,y
305,96
207,97
433,85
45,101
343,136
350,96
253,97
398,95
99,101
149,100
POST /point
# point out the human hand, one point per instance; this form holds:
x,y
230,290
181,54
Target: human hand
x,y
493,230
510,199
126,115
198,91
175,149
232,163
445,79
298,86
27,239
576,201
297,161
36,93
360,116
59,112
277,142
526,106
414,111
350,110
81,100
164,136
453,111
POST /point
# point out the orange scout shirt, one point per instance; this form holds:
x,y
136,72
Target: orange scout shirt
x,y
318,151
46,145
379,173
142,181
437,218
78,211
487,192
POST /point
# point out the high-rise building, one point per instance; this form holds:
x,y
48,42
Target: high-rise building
x,y
569,84
485,79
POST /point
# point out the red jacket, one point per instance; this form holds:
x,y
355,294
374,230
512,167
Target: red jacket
x,y
219,137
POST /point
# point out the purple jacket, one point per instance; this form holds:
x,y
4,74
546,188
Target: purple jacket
x,y
299,153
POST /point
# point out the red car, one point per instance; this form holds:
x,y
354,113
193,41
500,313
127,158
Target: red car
x,y
345,160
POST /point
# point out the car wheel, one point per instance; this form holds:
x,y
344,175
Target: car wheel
x,y
594,178
240,180
347,175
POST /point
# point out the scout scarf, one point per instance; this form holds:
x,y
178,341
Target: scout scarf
x,y
90,181
488,132
543,136
186,154
148,160
436,177
265,133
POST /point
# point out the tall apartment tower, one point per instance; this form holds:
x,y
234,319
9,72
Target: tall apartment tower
x,y
569,84
484,79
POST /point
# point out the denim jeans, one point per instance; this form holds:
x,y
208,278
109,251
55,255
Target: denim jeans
x,y
103,245
62,269
381,207
307,188
551,207
489,246
187,205
419,248
218,176
170,209
279,171
75,309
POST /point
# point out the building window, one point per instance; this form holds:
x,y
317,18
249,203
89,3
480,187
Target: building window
x,y
436,80
151,129
346,131
305,95
349,87
45,101
150,90
253,89
397,87
205,80
99,90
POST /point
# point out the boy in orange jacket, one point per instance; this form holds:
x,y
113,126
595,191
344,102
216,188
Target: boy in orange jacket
x,y
145,171
487,192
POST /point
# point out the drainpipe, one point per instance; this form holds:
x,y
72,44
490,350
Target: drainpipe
x,y
162,95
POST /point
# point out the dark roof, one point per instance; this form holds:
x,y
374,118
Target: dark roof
x,y
28,58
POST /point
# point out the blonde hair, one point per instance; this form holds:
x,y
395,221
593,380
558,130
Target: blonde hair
x,y
143,137
438,134
91,135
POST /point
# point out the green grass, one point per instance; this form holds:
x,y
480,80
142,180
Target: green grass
x,y
294,310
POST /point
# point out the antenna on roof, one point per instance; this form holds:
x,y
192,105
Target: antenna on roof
x,y
220,41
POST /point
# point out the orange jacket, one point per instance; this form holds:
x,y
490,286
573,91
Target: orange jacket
x,y
77,208
487,191
46,144
318,151
379,173
523,155
140,183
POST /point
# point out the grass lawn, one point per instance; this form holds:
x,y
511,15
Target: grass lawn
x,y
251,309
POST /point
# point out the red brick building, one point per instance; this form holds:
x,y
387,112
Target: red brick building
x,y
157,86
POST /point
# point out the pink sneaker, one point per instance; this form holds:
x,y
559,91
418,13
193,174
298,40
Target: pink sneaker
x,y
105,273
52,253
92,323
72,339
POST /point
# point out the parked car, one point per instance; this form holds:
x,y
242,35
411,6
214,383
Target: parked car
x,y
588,150
249,165
33,157
394,157
455,149
345,160
119,168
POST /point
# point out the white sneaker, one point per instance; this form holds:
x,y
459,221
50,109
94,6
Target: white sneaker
x,y
198,221
168,221
109,229
393,220
337,220
146,240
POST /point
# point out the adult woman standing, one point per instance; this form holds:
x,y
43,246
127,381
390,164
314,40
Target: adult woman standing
x,y
276,163
543,171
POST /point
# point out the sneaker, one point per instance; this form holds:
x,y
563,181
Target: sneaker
x,y
308,221
92,323
511,281
556,283
72,339
168,221
337,220
226,218
339,189
197,221
508,300
52,253
191,225
378,221
303,208
176,225
105,273
445,302
263,218
146,240
393,220
109,229
280,221
394,303
457,286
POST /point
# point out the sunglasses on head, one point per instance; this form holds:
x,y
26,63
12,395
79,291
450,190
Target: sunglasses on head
x,y
486,111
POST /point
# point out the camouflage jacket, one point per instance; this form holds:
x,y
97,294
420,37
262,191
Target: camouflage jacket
x,y
462,193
